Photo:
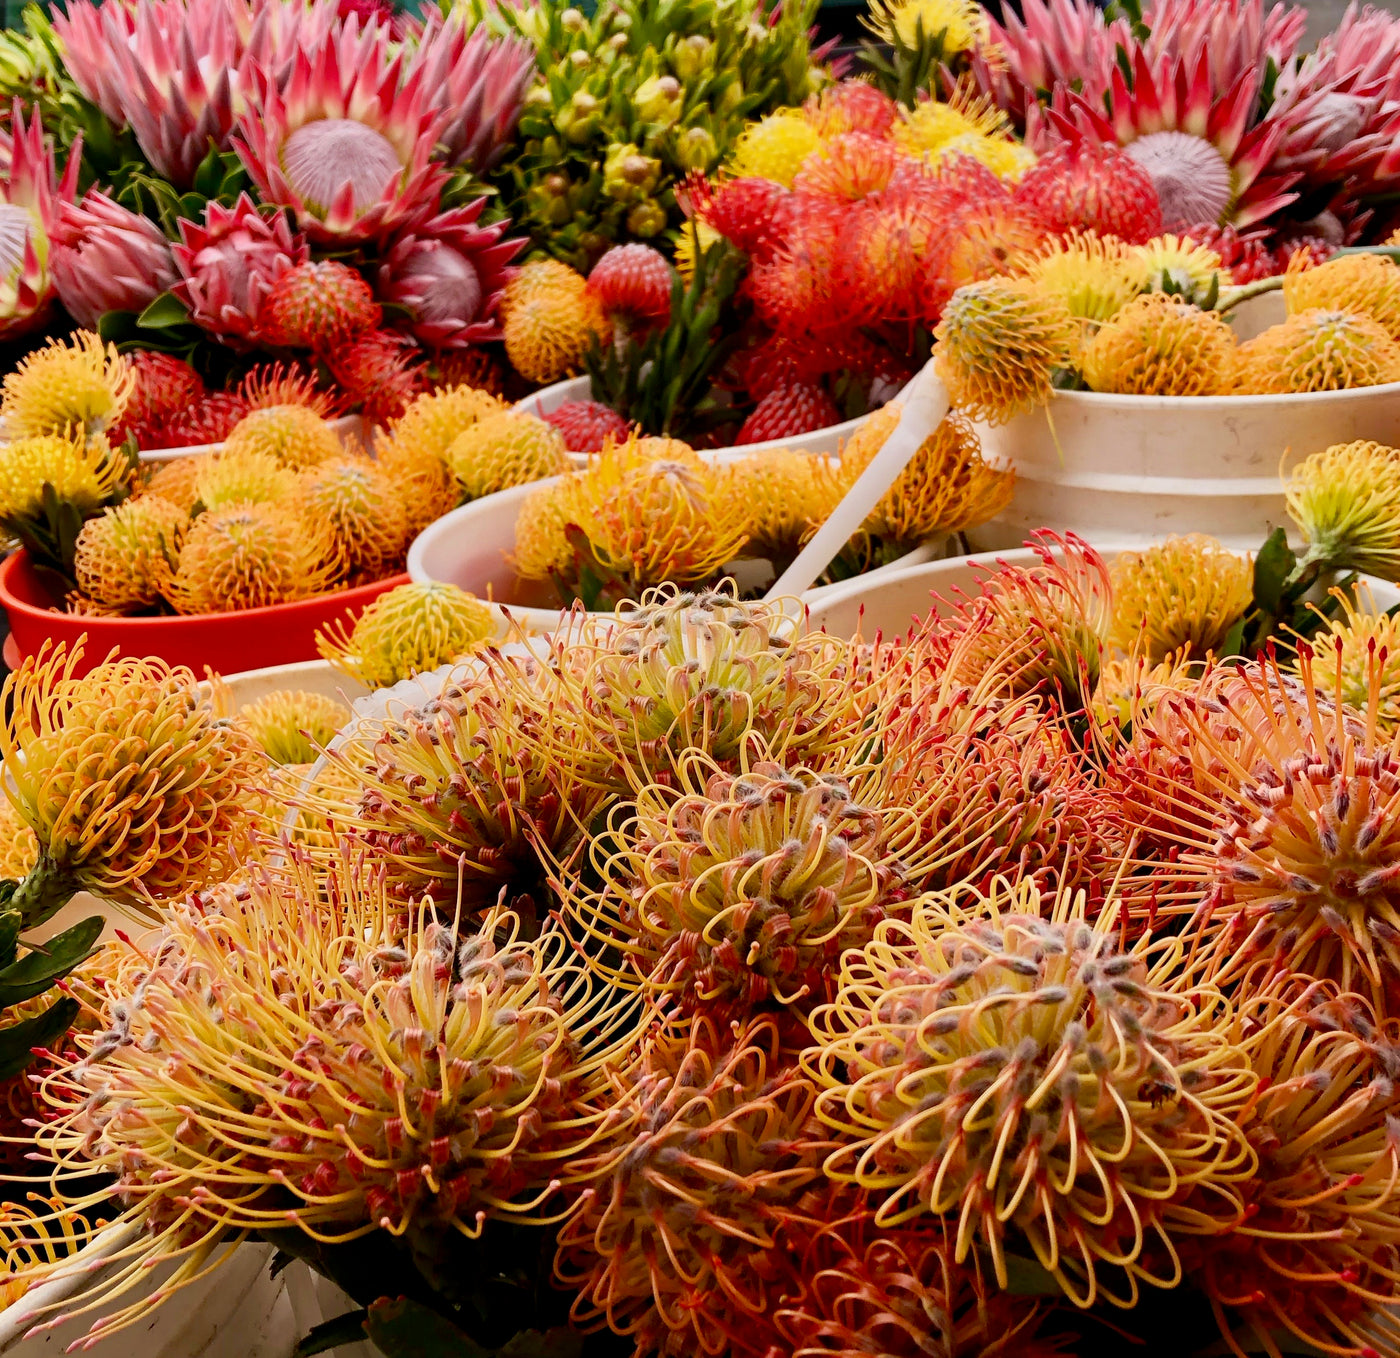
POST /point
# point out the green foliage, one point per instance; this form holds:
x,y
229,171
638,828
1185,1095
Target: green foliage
x,y
630,101
663,380
908,71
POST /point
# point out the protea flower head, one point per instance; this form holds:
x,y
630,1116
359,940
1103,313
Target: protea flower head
x,y
711,1141
774,147
176,482
86,473
850,166
587,426
134,787
1357,649
477,79
549,317
1365,283
432,1089
1002,1064
503,450
733,890
362,514
851,106
1316,1255
124,555
632,284
288,384
292,726
1083,185
958,25
1042,625
458,799
346,142
1318,351
107,258
210,419
931,125
947,487
1000,343
1180,265
1161,345
1095,277
292,435
245,476
783,497
449,275
228,265
380,373
1346,500
164,387
320,305
250,556
1184,595
31,197
81,386
410,629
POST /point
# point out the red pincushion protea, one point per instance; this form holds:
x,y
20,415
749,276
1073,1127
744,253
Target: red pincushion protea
x,y
588,425
210,420
851,165
788,410
782,359
288,384
851,106
318,305
633,283
166,386
379,373
448,275
749,212
228,265
1081,185
1252,255
794,288
883,251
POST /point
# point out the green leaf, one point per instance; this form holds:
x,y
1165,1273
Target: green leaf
x,y
1272,568
40,967
11,922
1030,1278
209,176
165,311
1234,641
331,1334
404,1329
17,1044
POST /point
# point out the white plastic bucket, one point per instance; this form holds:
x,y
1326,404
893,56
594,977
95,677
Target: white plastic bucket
x,y
1134,469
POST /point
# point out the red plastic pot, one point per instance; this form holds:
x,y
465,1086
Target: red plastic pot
x,y
225,642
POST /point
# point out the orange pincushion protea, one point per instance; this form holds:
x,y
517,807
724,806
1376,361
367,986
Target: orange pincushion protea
x,y
362,513
1319,350
1007,1068
133,785
245,476
294,435
122,557
1160,345
549,318
1365,283
712,1141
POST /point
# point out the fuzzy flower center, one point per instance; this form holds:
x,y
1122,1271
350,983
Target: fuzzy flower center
x,y
1191,177
450,287
15,226
321,158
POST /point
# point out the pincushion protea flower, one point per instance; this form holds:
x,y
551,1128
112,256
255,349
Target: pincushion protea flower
x,y
449,275
506,449
293,435
1315,1257
228,265
732,890
380,372
363,516
133,786
245,476
711,1139
292,726
106,258
782,497
1084,185
1356,650
549,317
1161,345
1007,1067
1182,596
62,388
434,1086
1366,283
31,196
1346,499
1318,350
1095,277
320,305
123,556
458,802
346,141
406,631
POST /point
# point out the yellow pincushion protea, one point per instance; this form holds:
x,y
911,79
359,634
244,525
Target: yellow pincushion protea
x,y
1183,596
1000,343
959,25
1125,681
542,548
947,487
1357,656
83,386
292,726
407,631
548,318
1346,500
124,556
1094,277
781,497
932,125
1177,265
1366,283
362,514
504,450
133,784
1005,157
176,481
86,473
250,556
774,147
19,846
1161,345
695,236
293,435
1318,351
244,476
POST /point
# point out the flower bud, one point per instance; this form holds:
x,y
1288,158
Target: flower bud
x,y
695,149
693,56
573,21
647,219
658,100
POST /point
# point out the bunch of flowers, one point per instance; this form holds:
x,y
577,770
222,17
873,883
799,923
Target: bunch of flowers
x,y
268,178
740,989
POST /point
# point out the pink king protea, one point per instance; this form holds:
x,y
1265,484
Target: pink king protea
x,y
108,259
448,275
347,144
30,199
228,264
